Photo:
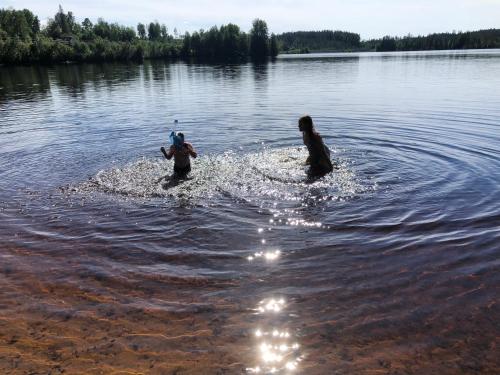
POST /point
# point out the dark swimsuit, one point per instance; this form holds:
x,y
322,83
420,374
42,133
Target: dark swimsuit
x,y
182,172
185,165
319,157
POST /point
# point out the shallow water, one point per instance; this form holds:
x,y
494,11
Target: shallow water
x,y
389,264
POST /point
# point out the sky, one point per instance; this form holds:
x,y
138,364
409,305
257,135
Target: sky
x,y
369,18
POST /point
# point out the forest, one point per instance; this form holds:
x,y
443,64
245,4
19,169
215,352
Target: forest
x,y
63,39
326,40
341,41
462,40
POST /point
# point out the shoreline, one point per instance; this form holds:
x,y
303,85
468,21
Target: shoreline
x,y
233,62
374,51
98,327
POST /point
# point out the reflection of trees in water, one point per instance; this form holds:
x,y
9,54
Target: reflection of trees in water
x,y
160,70
228,71
72,79
260,71
217,70
339,68
75,79
261,76
26,82
153,72
438,55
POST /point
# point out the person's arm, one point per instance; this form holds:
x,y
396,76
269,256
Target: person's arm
x,y
168,155
191,150
306,140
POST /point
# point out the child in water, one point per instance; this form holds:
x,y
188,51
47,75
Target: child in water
x,y
319,154
181,151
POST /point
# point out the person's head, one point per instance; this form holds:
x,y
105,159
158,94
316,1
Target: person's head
x,y
306,124
177,139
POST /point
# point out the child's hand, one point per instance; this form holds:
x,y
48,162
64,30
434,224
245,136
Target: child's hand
x,y
168,155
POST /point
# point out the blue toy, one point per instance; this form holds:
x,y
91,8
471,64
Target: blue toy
x,y
177,140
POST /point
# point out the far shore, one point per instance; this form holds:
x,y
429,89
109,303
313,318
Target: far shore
x,y
24,41
281,54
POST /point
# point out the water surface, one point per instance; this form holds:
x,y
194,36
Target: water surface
x,y
389,265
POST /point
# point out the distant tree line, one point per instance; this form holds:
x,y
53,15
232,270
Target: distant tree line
x,y
23,41
63,39
326,40
334,41
462,40
229,43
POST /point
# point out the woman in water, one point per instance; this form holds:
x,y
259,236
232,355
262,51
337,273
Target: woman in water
x,y
319,155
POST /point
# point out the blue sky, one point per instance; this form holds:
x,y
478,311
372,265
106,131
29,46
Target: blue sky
x,y
370,18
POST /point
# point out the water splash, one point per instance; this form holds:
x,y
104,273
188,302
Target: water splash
x,y
268,176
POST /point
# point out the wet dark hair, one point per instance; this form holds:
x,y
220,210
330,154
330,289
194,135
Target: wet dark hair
x,y
181,135
306,123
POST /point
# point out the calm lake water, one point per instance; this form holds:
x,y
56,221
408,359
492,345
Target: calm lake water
x,y
388,265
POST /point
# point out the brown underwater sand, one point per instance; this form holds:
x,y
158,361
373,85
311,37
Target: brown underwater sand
x,y
51,327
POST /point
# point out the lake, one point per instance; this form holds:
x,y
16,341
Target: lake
x,y
388,265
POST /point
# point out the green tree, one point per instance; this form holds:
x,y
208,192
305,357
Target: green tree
x,y
259,40
87,24
196,46
243,45
32,21
186,45
387,44
139,51
87,32
102,29
154,31
230,35
213,43
141,30
325,40
273,46
127,34
164,32
62,24
82,51
65,21
20,24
